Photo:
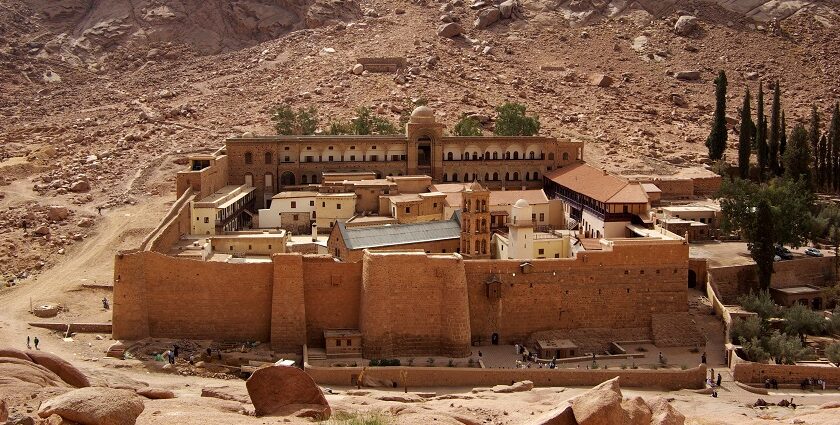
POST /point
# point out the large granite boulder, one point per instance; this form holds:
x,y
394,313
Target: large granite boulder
x,y
562,415
637,410
155,393
664,413
14,353
686,25
60,367
601,405
16,371
284,391
450,30
487,17
95,406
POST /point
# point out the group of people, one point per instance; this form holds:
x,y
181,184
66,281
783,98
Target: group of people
x,y
714,383
771,383
30,341
812,383
170,355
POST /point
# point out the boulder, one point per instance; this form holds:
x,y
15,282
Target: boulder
x,y
281,390
85,222
16,371
638,411
687,75
601,405
80,186
58,420
515,388
226,393
487,17
562,415
57,213
828,405
14,353
450,30
42,230
95,406
506,8
664,414
156,393
601,80
686,25
358,69
66,371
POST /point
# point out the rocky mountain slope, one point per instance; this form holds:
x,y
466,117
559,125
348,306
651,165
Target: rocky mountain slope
x,y
101,100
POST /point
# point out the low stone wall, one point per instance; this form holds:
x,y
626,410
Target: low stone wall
x,y
731,281
74,327
476,377
785,374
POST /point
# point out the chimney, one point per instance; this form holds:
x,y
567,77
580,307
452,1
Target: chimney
x,y
314,232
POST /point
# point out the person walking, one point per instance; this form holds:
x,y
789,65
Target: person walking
x,y
28,346
719,379
175,350
105,303
703,358
36,341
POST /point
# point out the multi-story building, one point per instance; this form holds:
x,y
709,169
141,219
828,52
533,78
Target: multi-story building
x,y
275,163
224,210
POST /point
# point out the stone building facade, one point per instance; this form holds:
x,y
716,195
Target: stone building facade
x,y
275,163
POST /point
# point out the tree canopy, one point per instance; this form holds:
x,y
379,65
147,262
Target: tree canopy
x,y
716,142
512,121
467,126
288,122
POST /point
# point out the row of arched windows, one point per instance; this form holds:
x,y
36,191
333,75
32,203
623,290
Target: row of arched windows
x,y
450,156
529,176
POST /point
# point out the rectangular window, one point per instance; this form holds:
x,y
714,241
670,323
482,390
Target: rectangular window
x,y
374,158
294,217
323,204
434,205
541,251
330,157
338,343
556,255
285,148
407,210
338,206
542,216
206,219
352,157
294,204
533,217
269,247
349,342
395,157
287,159
311,203
625,209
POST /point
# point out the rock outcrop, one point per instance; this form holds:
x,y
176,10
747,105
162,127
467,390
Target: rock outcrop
x,y
562,415
601,405
156,393
686,25
450,30
282,391
66,371
665,414
95,406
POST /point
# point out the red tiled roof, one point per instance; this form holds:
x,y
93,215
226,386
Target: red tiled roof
x,y
598,184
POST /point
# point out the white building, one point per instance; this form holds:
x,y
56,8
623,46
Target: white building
x,y
289,210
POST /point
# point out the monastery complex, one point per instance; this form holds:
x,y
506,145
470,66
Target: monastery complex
x,y
415,245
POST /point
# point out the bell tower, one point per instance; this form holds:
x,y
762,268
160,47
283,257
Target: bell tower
x,y
475,221
424,152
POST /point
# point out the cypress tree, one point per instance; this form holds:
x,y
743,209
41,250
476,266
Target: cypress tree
x,y
797,157
814,140
761,133
823,169
762,248
834,140
716,142
774,130
782,143
745,137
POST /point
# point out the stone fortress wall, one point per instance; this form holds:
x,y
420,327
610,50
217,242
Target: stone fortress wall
x,y
404,303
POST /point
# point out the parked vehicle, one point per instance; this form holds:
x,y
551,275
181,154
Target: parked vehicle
x,y
777,258
813,252
783,252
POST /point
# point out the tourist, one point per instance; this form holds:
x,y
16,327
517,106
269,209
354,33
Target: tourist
x,y
552,365
710,383
99,210
774,383
171,357
714,393
479,353
36,343
767,383
719,378
661,357
209,354
27,343
105,303
703,358
712,373
516,346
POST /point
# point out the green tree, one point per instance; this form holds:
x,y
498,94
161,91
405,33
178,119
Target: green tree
x,y
512,121
755,351
762,150
797,158
801,320
777,212
834,141
289,122
832,352
785,349
467,126
339,128
760,303
814,142
745,138
716,142
746,329
366,123
782,140
775,128
828,225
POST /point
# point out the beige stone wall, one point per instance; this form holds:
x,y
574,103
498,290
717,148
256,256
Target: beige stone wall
x,y
670,380
785,374
622,288
167,297
205,181
243,244
332,293
422,310
731,281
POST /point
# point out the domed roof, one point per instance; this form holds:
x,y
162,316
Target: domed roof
x,y
521,204
423,114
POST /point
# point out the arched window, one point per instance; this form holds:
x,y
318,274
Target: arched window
x,y
304,179
531,155
507,155
507,177
466,177
515,155
536,175
486,176
483,246
315,178
495,155
465,156
527,176
551,156
455,177
445,177
495,177
516,177
483,225
475,177
477,247
249,158
565,156
487,155
475,156
449,156
268,158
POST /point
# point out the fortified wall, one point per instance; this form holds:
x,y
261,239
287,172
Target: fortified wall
x,y
731,281
408,303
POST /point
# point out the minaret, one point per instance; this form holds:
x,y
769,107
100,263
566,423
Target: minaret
x,y
521,229
475,221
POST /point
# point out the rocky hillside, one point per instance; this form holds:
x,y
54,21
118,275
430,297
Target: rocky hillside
x,y
98,98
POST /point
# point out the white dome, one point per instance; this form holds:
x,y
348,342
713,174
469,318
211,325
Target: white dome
x,y
522,204
423,114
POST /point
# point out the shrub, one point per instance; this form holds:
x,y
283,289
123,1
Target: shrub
x,y
373,362
754,351
832,352
512,121
761,304
467,126
366,123
801,320
746,329
785,349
